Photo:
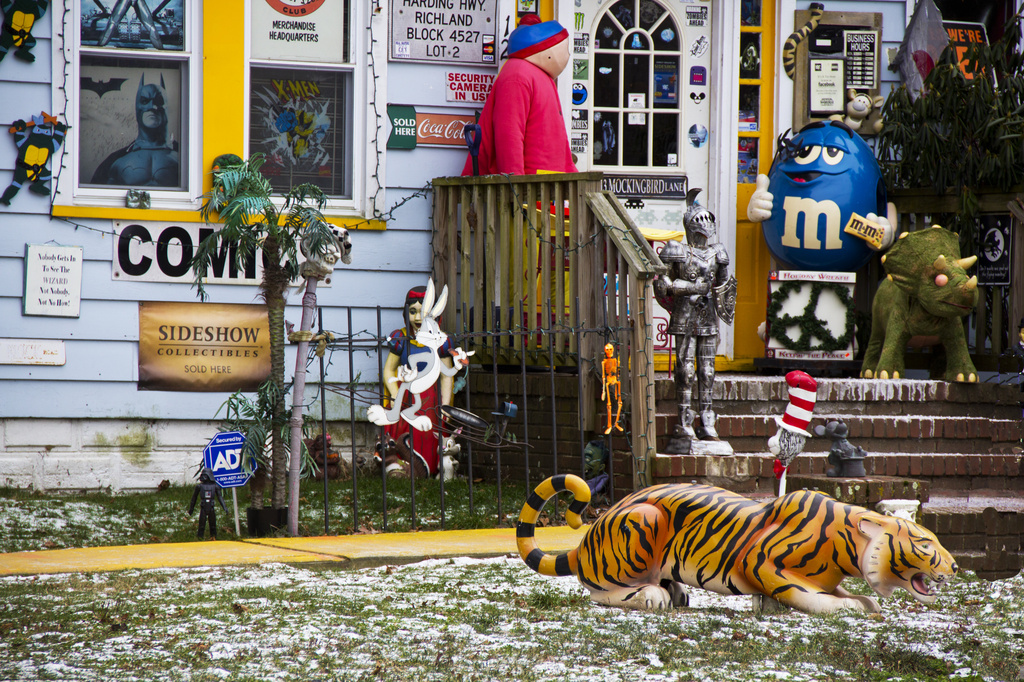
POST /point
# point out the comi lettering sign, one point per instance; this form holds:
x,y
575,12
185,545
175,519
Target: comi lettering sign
x,y
444,31
162,252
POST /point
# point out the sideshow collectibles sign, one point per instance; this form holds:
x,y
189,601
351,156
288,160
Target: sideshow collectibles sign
x,y
444,31
202,346
303,30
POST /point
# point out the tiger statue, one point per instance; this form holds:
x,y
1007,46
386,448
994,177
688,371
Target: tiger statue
x,y
797,549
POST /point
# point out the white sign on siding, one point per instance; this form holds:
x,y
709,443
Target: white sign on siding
x,y
53,280
32,352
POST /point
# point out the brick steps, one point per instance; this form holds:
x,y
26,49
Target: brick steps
x,y
956,436
753,472
903,433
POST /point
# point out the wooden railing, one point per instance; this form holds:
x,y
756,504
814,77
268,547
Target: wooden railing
x,y
545,270
1000,308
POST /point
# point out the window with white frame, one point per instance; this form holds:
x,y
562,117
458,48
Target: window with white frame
x,y
636,75
301,85
129,81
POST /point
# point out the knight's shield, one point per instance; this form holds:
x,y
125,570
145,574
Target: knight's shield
x,y
725,300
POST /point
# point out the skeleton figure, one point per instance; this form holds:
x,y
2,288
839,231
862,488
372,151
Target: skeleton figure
x,y
698,291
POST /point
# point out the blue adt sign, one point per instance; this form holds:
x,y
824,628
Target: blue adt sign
x,y
223,456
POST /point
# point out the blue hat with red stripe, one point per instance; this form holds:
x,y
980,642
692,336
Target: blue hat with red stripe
x,y
533,36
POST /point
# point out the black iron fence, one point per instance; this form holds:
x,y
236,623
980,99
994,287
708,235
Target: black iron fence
x,y
513,421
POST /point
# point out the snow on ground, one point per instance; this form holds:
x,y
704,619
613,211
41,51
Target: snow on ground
x,y
452,619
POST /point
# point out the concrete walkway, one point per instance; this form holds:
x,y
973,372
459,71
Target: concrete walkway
x,y
347,551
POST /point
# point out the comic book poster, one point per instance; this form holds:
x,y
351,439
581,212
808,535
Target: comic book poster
x,y
298,119
130,123
134,24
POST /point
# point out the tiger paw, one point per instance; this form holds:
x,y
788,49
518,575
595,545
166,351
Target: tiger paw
x,y
642,598
678,593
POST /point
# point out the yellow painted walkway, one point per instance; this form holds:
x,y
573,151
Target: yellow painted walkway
x,y
345,550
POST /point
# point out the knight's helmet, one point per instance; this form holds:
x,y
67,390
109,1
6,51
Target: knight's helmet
x,y
698,221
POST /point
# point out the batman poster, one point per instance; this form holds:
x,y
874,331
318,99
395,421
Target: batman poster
x,y
130,118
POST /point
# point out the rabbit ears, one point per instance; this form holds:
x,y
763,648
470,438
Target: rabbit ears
x,y
430,308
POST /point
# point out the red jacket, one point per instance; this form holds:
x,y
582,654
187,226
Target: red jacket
x,y
522,130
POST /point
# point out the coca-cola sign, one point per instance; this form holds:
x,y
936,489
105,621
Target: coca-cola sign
x,y
442,130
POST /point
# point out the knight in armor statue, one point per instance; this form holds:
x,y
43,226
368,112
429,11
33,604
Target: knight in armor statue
x,y
698,291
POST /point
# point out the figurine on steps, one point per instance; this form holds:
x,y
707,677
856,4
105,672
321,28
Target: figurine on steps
x,y
845,459
698,291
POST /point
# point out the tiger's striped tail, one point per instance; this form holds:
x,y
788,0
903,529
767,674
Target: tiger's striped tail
x,y
534,556
798,36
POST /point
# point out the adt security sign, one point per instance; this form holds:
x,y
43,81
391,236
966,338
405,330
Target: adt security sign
x,y
223,456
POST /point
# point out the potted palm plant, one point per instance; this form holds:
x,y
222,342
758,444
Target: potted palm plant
x,y
252,218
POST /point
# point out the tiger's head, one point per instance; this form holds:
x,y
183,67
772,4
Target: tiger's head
x,y
901,553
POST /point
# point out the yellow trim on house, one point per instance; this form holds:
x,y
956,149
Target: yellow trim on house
x,y
224,81
752,258
188,216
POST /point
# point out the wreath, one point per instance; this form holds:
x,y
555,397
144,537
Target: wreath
x,y
808,322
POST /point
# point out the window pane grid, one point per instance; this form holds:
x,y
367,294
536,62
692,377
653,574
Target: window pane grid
x,y
636,87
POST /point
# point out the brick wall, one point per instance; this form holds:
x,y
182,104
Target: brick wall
x,y
989,542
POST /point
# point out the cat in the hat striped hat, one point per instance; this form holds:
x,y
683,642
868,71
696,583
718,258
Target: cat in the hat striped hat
x,y
788,441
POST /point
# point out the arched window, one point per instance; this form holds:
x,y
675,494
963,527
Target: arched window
x,y
636,69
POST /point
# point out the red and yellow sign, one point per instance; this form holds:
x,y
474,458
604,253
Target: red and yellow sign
x,y
203,346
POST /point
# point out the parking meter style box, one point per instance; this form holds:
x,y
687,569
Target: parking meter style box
x,y
812,309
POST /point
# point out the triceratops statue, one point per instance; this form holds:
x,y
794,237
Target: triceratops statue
x,y
926,293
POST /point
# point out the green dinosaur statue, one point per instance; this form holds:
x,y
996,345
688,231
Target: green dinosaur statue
x,y
926,292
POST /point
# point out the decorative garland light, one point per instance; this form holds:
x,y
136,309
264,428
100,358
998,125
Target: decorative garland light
x,y
808,322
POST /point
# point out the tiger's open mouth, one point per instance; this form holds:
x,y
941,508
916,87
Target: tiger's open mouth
x,y
925,586
803,177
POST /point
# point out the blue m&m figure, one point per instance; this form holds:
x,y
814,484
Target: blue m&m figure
x,y
818,181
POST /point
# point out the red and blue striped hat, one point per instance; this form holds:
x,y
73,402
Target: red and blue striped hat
x,y
533,36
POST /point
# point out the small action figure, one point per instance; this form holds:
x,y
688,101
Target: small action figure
x,y
846,460
698,291
37,140
206,492
611,389
19,18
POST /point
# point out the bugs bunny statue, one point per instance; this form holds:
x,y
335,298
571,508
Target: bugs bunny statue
x,y
417,378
